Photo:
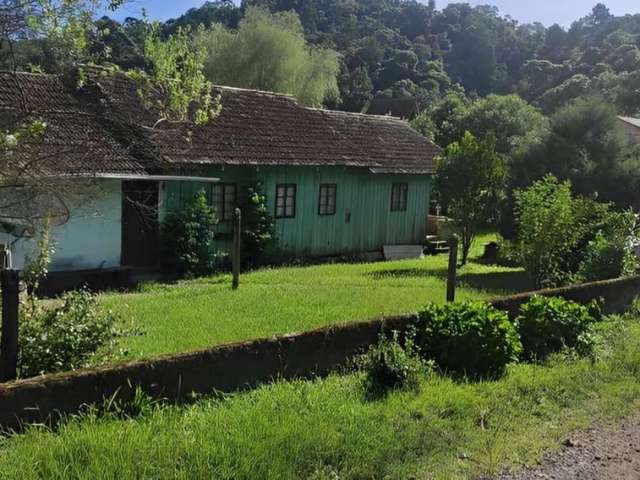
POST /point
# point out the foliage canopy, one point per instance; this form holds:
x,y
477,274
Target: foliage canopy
x,y
269,52
470,182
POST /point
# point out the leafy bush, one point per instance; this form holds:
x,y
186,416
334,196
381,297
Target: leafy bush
x,y
610,254
258,228
550,324
471,338
188,238
603,259
508,254
392,364
546,235
562,239
63,337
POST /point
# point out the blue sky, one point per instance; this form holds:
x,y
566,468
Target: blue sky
x,y
545,11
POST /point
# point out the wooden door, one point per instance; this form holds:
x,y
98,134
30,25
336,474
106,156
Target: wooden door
x,y
140,227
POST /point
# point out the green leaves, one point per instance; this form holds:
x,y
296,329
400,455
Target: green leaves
x,y
563,239
470,181
393,364
64,337
471,338
258,227
549,324
546,236
188,238
175,81
269,52
11,140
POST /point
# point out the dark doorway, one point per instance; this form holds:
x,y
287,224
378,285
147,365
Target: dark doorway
x,y
140,229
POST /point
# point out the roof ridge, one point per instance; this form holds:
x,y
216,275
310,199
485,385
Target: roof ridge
x,y
360,114
253,90
30,74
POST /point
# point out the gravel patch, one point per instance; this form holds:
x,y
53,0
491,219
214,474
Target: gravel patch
x,y
601,453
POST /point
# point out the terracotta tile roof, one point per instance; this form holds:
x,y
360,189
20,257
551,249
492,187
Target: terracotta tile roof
x,y
253,128
75,139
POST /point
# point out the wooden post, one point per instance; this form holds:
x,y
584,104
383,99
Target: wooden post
x,y
453,265
10,282
237,240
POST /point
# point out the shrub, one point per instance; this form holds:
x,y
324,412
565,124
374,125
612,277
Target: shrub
x,y
546,235
63,337
562,239
471,338
188,238
508,254
610,254
603,259
392,364
550,324
258,228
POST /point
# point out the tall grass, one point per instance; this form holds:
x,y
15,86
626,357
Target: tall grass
x,y
327,429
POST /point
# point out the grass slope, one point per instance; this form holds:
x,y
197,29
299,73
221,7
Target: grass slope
x,y
326,429
205,312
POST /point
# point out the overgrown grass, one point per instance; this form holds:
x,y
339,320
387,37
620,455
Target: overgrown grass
x,y
327,429
205,312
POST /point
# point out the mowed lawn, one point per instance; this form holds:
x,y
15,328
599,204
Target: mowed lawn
x,y
205,312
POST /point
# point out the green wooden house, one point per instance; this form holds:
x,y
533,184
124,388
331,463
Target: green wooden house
x,y
336,183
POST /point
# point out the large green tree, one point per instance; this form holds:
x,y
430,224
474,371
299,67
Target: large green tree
x,y
470,181
513,122
587,146
269,52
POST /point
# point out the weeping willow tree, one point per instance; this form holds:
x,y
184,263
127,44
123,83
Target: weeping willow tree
x,y
269,52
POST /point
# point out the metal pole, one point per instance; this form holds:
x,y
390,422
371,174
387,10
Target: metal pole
x,y
453,265
10,282
237,240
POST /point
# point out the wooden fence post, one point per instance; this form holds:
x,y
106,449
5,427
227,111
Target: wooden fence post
x,y
453,265
10,282
237,241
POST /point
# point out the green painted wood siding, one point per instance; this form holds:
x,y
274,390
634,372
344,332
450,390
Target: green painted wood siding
x,y
363,221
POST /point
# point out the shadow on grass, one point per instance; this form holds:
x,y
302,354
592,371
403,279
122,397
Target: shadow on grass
x,y
493,282
498,282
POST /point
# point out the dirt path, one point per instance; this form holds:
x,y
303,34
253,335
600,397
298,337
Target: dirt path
x,y
601,453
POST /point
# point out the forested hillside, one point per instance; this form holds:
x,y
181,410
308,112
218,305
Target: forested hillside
x,y
407,48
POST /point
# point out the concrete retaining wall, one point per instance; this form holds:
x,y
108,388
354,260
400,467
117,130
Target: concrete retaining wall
x,y
617,295
234,367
